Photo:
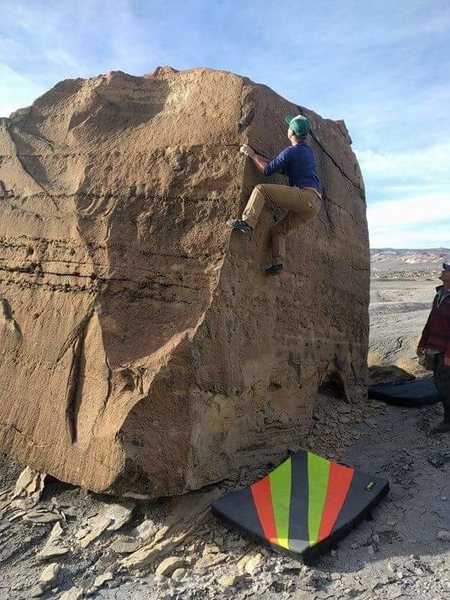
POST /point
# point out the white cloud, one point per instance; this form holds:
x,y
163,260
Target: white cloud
x,y
410,211
17,91
416,222
416,165
413,185
423,237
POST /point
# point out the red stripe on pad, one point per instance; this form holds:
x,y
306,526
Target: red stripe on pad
x,y
262,497
339,482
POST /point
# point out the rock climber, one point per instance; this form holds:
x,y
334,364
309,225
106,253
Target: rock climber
x,y
302,197
434,345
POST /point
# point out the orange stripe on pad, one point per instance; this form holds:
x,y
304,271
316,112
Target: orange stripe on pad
x,y
262,497
339,482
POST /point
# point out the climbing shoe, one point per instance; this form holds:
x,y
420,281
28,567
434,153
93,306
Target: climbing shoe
x,y
240,225
443,427
274,269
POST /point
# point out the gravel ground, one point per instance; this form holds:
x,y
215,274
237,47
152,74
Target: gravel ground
x,y
397,554
398,313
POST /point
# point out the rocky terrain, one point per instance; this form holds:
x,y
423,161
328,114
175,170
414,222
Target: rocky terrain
x,y
176,549
59,541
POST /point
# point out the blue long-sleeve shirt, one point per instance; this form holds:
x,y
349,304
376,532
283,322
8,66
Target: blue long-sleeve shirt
x,y
298,163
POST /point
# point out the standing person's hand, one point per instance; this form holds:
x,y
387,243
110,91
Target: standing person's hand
x,y
247,150
447,361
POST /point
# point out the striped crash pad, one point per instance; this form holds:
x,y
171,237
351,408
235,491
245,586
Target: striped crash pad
x,y
304,506
411,393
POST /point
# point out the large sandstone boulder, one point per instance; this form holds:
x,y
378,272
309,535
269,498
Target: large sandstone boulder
x,y
142,348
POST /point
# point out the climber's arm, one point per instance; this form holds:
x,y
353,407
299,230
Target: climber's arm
x,y
259,161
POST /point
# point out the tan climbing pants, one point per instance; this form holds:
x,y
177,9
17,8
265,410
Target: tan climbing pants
x,y
302,203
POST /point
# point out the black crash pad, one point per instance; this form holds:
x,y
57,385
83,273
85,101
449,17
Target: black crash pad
x,y
304,506
411,393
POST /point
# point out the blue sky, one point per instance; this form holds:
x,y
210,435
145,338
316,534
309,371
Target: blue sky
x,y
381,65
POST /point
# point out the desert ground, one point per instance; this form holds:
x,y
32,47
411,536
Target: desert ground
x,y
105,548
398,312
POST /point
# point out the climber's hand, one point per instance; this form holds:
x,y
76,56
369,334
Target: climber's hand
x,y
244,149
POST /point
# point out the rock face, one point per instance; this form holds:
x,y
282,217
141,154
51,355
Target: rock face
x,y
142,348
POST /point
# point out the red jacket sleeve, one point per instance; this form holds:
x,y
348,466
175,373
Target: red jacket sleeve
x,y
445,309
424,338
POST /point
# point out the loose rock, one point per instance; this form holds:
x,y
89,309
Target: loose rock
x,y
53,547
28,489
231,580
102,579
74,593
179,574
125,546
37,591
210,560
169,565
49,574
249,564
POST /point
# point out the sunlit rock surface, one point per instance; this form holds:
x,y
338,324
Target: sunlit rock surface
x,y
142,348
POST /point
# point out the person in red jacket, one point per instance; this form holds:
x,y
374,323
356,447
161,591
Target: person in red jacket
x,y
435,344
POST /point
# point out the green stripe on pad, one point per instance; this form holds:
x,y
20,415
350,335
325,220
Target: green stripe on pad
x,y
318,473
280,485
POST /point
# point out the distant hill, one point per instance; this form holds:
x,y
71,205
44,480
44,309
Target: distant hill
x,y
394,263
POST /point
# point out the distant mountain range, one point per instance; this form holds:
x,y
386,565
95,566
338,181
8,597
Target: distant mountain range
x,y
394,263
